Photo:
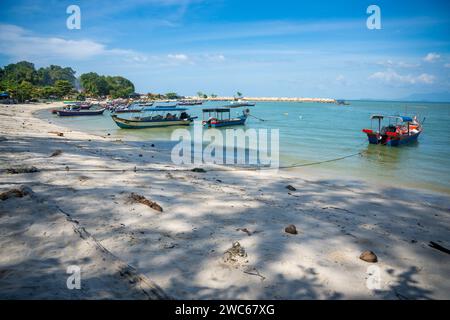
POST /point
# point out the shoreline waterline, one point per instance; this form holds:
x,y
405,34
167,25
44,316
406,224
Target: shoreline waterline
x,y
382,165
181,249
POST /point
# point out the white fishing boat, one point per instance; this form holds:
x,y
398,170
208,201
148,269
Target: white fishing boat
x,y
155,118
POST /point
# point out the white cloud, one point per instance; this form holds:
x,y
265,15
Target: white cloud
x,y
400,64
432,57
178,56
21,44
215,57
390,76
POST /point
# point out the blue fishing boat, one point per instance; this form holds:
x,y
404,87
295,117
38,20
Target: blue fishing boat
x,y
155,118
221,117
79,112
399,130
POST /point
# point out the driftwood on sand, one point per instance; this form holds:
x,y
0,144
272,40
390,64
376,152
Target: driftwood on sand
x,y
143,200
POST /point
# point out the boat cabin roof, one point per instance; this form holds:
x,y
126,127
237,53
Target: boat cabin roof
x,y
165,109
402,118
217,110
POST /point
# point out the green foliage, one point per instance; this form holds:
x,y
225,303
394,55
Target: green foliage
x,y
23,82
172,95
63,88
96,85
23,91
15,73
119,87
239,94
49,75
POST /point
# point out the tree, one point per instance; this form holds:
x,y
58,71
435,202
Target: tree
x,y
18,72
213,95
53,73
172,95
239,94
119,87
44,92
22,92
94,84
63,88
200,94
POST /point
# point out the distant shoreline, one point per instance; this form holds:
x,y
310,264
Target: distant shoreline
x,y
265,99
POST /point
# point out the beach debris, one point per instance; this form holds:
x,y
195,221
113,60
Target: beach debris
x,y
436,246
143,200
291,229
291,188
198,170
244,230
254,272
22,169
235,254
83,178
368,256
15,193
56,153
59,134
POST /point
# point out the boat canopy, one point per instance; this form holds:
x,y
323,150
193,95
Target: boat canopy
x,y
407,119
217,110
165,109
402,118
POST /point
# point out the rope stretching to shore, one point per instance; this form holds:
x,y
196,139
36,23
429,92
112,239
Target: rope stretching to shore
x,y
227,168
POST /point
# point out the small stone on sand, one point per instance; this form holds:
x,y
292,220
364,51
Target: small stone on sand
x,y
289,187
291,229
56,153
368,256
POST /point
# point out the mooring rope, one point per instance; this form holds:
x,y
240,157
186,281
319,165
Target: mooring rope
x,y
226,168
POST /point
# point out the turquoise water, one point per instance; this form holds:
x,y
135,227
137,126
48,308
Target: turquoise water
x,y
311,132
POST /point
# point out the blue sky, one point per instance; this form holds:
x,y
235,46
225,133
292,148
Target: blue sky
x,y
261,48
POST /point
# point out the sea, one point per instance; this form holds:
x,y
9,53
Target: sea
x,y
326,138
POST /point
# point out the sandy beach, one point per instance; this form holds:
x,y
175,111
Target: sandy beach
x,y
75,207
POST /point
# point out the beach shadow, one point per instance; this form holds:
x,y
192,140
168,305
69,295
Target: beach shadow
x,y
337,220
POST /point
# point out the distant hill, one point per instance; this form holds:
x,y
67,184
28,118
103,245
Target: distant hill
x,y
429,97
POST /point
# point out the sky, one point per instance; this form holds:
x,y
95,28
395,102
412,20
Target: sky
x,y
277,48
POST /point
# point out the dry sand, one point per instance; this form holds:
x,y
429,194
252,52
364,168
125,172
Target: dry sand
x,y
182,248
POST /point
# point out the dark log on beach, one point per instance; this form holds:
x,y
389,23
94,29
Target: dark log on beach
x,y
436,246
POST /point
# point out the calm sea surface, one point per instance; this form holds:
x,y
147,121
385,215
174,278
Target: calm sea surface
x,y
311,132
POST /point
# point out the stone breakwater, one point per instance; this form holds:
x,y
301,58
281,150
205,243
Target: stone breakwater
x,y
269,99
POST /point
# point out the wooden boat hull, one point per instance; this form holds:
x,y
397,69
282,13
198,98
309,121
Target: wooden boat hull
x,y
127,110
139,124
404,139
393,141
225,123
63,113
